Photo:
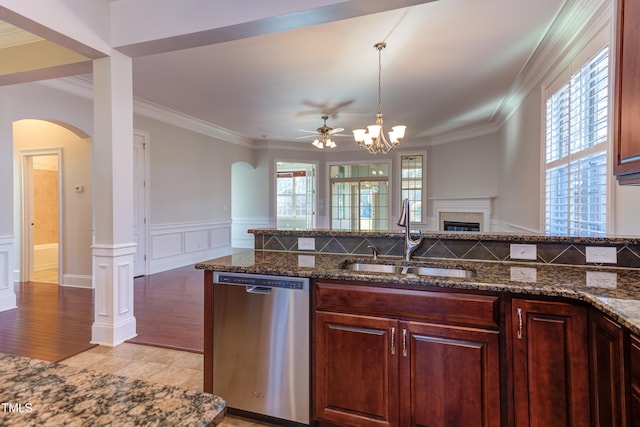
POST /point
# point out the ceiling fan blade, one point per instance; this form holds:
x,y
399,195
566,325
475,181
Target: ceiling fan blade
x,y
308,131
306,136
335,130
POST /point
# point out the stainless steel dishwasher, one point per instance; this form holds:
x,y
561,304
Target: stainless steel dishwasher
x,y
261,344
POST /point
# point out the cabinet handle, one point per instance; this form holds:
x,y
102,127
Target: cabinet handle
x,y
393,341
519,310
404,342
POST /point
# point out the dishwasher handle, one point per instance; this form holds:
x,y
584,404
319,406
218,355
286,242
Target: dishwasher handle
x,y
264,290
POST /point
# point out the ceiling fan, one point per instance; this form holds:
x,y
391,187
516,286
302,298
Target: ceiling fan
x,y
324,140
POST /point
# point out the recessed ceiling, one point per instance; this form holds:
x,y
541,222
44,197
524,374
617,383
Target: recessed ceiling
x,y
448,65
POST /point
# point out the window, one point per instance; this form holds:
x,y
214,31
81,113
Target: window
x,y
359,197
411,184
576,141
293,194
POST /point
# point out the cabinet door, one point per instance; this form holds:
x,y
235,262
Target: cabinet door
x,y
550,364
356,370
627,96
635,380
608,391
450,376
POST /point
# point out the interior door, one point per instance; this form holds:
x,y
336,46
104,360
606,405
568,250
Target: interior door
x,y
140,204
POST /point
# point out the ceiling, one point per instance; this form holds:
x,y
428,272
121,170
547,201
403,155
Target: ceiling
x,y
448,66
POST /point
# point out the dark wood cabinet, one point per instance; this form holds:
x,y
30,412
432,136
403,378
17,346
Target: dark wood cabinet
x,y
607,366
356,370
627,94
550,364
449,376
416,368
634,365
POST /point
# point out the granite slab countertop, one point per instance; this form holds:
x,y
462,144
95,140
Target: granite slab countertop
x,y
622,303
35,392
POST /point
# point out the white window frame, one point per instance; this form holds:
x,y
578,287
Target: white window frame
x,y
398,188
562,75
390,183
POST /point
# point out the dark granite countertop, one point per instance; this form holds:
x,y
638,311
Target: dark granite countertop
x,y
621,303
35,392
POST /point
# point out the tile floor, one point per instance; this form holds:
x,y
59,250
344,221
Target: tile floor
x,y
154,364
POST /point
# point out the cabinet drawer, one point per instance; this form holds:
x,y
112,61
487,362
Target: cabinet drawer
x,y
442,307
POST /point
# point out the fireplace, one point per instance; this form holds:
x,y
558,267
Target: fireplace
x,y
461,226
462,214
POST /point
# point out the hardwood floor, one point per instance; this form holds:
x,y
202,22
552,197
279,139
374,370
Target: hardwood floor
x,y
169,309
53,323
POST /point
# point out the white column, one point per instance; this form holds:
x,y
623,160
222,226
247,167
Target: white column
x,y
114,248
7,295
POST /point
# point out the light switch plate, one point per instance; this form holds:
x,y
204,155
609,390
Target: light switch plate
x,y
602,279
522,251
306,243
601,254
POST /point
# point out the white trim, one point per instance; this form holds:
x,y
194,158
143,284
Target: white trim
x,y
147,194
480,205
83,88
390,184
77,281
239,236
7,295
174,245
26,210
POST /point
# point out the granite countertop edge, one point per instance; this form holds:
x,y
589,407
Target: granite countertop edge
x,y
621,304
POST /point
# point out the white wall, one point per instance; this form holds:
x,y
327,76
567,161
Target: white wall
x,y
76,170
190,194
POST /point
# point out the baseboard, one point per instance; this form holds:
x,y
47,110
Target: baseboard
x,y
77,281
8,301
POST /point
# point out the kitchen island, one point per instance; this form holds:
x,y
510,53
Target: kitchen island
x,y
553,337
39,393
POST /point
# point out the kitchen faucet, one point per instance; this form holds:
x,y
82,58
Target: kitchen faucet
x,y
410,245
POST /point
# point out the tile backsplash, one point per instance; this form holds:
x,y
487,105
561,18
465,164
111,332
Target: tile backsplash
x,y
549,250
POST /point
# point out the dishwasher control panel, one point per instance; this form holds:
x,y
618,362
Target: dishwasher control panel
x,y
261,280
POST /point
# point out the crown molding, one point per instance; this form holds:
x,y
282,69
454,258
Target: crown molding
x,y
82,87
557,46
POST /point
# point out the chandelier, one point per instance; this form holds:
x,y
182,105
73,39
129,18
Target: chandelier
x,y
373,138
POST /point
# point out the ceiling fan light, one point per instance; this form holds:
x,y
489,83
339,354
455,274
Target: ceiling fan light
x,y
358,134
398,131
374,131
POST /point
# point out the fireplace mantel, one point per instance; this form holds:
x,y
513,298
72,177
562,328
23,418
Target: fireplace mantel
x,y
475,209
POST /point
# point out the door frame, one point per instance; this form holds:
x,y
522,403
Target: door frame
x,y
314,188
26,211
147,202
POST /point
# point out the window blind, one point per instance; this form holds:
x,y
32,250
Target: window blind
x,y
576,151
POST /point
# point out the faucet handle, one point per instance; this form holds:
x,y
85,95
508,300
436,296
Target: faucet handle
x,y
375,251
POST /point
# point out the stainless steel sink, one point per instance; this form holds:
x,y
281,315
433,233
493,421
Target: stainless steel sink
x,y
411,269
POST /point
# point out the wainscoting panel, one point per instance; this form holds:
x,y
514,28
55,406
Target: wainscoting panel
x,y
7,296
179,244
239,236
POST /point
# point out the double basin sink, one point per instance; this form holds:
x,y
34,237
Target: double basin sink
x,y
417,269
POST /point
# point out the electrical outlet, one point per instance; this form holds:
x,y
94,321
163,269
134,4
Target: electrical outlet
x,y
602,254
524,274
306,261
521,251
601,279
306,243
